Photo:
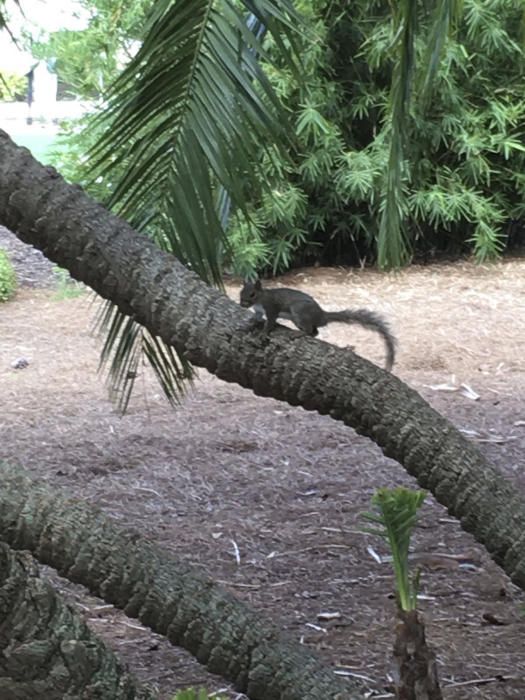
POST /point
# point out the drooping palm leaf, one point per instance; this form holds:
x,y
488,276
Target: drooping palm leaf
x,y
393,244
446,16
126,345
193,96
187,115
393,248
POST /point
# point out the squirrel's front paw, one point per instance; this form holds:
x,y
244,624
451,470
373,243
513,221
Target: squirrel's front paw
x,y
251,324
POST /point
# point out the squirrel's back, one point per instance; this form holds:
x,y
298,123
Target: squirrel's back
x,y
286,296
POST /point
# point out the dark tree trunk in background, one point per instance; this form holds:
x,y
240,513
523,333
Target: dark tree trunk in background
x,y
118,263
46,650
162,592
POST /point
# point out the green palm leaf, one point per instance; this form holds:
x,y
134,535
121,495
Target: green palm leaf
x,y
393,247
186,118
394,521
446,16
393,243
126,345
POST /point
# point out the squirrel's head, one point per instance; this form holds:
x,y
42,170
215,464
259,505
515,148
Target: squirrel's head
x,y
250,293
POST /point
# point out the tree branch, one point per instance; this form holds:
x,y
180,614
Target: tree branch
x,y
46,650
162,592
203,324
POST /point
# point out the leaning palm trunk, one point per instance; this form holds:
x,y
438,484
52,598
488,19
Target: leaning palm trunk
x,y
203,325
46,650
163,593
416,671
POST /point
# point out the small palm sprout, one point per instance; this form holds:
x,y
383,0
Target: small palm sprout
x,y
191,694
393,520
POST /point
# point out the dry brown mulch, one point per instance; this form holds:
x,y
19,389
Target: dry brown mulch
x,y
230,473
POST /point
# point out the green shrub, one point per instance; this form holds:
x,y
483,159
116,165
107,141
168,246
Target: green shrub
x,y
7,277
12,86
462,173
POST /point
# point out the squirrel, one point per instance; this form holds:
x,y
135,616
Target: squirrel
x,y
307,315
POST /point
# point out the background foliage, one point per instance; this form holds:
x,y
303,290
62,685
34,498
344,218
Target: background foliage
x,y
461,172
7,277
88,60
462,181
12,86
181,125
402,135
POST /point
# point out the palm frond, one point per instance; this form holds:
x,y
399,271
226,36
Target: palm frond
x,y
393,246
184,123
446,16
126,346
194,89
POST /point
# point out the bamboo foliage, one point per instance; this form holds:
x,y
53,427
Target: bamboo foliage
x,y
408,141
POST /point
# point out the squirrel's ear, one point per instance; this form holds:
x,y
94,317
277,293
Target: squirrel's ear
x,y
257,284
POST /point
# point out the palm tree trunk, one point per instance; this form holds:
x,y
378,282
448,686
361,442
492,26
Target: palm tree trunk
x,y
201,323
415,661
46,650
162,592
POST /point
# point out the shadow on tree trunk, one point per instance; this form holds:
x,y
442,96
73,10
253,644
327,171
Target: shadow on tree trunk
x,y
163,592
46,651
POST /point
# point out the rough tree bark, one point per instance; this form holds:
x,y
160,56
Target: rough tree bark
x,y
163,592
46,650
155,289
415,661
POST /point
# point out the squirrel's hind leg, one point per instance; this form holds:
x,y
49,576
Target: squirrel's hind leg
x,y
301,319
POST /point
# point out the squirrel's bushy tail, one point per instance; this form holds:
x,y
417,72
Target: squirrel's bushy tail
x,y
368,319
